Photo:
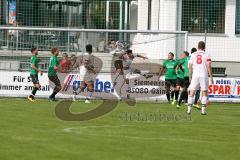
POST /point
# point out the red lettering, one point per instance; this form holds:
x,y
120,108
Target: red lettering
x,y
221,90
227,90
238,90
210,89
215,89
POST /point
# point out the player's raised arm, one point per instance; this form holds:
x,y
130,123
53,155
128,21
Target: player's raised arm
x,y
143,57
180,64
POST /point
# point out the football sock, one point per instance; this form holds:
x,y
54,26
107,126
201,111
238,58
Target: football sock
x,y
172,94
34,91
204,102
190,103
168,97
176,95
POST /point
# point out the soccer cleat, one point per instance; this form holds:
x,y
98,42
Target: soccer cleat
x,y
178,106
31,98
51,99
197,106
87,101
73,98
173,102
204,114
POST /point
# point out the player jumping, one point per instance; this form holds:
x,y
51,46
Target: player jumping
x,y
199,69
34,74
117,51
128,71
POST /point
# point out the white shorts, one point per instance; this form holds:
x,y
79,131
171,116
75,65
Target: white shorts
x,y
202,82
86,75
127,73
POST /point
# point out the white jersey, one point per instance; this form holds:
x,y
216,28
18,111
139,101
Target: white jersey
x,y
127,61
117,53
87,60
200,61
86,74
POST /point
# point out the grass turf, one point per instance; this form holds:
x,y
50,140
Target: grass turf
x,y
32,131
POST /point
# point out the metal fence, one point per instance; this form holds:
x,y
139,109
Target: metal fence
x,y
153,44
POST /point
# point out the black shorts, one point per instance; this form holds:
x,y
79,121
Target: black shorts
x,y
55,80
170,82
180,81
186,82
118,64
34,78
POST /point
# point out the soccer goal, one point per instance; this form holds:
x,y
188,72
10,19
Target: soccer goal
x,y
15,54
153,44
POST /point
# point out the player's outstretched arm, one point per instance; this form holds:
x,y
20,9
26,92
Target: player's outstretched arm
x,y
143,57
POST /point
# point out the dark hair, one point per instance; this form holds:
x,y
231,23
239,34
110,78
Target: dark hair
x,y
33,49
171,53
53,50
65,55
186,53
129,51
193,50
89,48
201,45
111,41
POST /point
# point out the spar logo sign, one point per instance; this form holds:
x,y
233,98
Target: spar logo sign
x,y
225,88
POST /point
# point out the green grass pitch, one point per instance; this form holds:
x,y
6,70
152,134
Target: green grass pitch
x,y
31,131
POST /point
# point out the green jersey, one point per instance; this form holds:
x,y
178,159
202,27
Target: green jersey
x,y
53,63
34,61
180,73
185,63
170,66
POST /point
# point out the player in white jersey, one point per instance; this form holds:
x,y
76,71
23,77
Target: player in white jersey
x,y
117,51
199,70
87,73
127,70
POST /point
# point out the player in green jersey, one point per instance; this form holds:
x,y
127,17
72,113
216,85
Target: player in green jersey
x,y
52,73
170,77
180,79
34,73
183,63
